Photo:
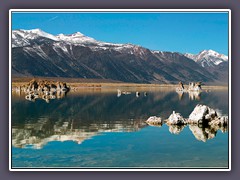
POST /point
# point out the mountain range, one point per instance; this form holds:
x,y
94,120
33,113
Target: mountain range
x,y
37,53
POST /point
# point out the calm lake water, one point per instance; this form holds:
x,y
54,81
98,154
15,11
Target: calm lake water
x,y
95,128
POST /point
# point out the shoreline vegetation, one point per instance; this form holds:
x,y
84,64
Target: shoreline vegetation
x,y
76,84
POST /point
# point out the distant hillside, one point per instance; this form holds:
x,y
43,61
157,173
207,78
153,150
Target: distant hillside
x,y
37,53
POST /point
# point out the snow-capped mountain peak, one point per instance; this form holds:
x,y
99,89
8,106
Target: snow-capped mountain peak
x,y
74,35
22,38
208,58
76,55
36,31
214,54
77,34
76,38
39,32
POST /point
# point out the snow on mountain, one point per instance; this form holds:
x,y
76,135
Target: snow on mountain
x,y
22,38
190,56
208,58
76,38
76,55
60,42
39,32
80,39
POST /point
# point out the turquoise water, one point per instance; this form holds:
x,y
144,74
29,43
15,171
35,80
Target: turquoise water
x,y
100,129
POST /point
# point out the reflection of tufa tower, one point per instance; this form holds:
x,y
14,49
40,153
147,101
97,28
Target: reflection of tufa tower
x,y
194,95
195,86
204,133
180,95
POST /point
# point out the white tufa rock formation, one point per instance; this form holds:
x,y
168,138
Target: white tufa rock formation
x,y
221,121
154,120
176,119
201,114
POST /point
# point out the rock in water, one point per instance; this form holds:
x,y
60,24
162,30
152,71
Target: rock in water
x,y
176,119
154,120
201,114
44,89
198,113
221,121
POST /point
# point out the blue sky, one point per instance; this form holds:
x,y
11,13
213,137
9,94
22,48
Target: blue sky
x,y
180,32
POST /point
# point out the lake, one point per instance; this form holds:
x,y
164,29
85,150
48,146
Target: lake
x,y
96,128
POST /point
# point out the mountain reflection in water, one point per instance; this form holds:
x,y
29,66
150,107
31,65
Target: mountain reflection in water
x,y
80,116
193,95
39,134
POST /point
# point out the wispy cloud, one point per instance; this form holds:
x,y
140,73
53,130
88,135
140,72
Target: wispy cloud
x,y
51,19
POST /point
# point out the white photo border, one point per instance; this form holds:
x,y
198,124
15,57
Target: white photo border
x,y
120,11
